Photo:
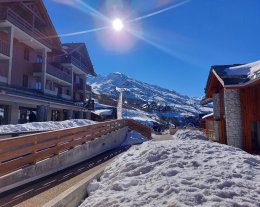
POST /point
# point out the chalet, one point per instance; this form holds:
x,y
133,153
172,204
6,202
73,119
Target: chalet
x,y
40,79
235,92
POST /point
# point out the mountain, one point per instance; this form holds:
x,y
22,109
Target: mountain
x,y
155,101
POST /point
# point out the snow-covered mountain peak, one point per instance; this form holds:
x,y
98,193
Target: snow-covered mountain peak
x,y
149,97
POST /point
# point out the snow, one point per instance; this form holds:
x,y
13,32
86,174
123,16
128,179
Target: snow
x,y
185,171
45,126
103,112
208,115
250,69
133,138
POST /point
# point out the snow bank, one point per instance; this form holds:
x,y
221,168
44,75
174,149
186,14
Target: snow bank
x,y
179,172
186,134
133,137
42,126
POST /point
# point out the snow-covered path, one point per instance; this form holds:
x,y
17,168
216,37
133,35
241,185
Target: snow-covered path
x,y
187,171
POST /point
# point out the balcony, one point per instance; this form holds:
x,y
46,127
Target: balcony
x,y
54,72
72,60
22,24
4,47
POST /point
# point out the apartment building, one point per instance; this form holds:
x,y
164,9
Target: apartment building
x,y
40,79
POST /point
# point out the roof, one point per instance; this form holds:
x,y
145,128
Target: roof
x,y
235,75
229,78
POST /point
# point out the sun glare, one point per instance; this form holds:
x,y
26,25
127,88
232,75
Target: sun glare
x,y
118,25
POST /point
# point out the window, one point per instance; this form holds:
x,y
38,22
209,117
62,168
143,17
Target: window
x,y
55,115
38,85
26,53
39,59
68,92
255,135
25,81
3,114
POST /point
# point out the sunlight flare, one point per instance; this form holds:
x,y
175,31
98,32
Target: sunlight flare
x,y
117,24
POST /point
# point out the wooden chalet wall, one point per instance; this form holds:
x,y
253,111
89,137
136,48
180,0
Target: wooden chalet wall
x,y
250,108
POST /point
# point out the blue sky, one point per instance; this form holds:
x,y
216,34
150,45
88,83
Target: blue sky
x,y
175,48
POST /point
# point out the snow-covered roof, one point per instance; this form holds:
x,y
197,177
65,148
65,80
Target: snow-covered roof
x,y
208,115
238,74
250,70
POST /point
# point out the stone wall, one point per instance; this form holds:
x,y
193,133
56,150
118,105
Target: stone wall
x,y
216,105
216,113
233,117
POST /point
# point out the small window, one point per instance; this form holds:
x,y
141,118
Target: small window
x,y
38,85
68,92
39,59
25,81
255,135
26,53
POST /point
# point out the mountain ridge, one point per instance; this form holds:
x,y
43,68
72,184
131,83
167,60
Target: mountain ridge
x,y
150,98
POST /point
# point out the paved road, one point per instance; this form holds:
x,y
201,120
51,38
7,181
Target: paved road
x,y
39,192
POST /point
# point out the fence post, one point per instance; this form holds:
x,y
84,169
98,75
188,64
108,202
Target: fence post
x,y
35,141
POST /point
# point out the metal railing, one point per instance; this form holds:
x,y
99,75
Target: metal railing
x,y
16,153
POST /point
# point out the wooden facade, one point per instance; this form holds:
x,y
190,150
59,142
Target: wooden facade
x,y
250,107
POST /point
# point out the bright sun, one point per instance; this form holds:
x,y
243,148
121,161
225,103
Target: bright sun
x,y
118,24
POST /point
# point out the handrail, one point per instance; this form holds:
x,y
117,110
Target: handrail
x,y
18,152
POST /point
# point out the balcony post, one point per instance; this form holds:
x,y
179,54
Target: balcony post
x,y
11,43
72,85
84,87
44,67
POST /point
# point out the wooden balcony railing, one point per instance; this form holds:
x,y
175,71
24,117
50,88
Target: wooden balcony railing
x,y
54,71
18,152
72,60
25,26
4,47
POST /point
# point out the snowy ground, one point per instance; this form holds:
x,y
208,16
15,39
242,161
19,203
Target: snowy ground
x,y
42,126
185,171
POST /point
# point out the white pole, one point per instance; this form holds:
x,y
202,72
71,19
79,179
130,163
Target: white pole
x,y
120,104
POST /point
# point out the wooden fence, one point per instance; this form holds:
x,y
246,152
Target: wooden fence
x,y
22,151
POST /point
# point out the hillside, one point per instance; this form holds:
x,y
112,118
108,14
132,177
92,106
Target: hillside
x,y
160,103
